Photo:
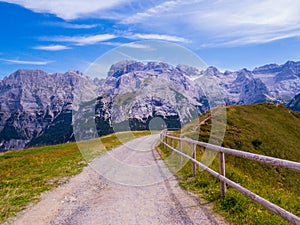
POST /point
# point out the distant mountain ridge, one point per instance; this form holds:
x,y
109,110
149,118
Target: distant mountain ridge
x,y
36,107
295,103
34,104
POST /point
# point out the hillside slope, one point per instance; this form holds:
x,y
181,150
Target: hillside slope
x,y
260,128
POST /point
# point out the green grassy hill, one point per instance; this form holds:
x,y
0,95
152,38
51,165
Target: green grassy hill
x,y
260,128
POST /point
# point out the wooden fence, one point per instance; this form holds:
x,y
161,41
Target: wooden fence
x,y
164,136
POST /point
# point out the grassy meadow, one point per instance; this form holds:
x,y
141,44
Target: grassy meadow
x,y
260,128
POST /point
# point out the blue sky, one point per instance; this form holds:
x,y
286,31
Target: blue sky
x,y
59,35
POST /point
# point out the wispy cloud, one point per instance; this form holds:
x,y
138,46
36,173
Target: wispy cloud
x,y
110,43
81,40
67,9
73,25
162,37
158,9
214,22
257,39
22,62
249,22
196,22
52,48
128,45
137,46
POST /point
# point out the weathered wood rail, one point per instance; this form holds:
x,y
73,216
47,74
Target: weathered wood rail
x,y
164,136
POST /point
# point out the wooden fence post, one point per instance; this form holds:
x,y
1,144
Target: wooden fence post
x,y
223,173
166,145
194,157
180,149
173,146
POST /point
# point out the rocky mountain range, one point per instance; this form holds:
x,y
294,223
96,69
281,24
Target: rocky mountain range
x,y
36,108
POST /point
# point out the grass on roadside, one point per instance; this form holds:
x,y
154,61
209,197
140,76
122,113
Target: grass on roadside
x,y
26,173
263,129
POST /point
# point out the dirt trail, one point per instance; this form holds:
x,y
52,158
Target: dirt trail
x,y
90,198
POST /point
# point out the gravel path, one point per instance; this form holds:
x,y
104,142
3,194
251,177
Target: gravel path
x,y
109,195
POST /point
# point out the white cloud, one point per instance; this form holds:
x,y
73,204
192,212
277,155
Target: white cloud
x,y
79,26
254,39
158,9
157,37
128,45
201,22
137,46
67,9
104,38
82,40
74,26
215,22
52,47
250,22
21,62
246,14
110,43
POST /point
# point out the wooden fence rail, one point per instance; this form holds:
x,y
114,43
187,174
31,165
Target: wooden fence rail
x,y
164,136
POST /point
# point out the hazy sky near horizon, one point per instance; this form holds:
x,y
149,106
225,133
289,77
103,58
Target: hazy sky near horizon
x,y
60,35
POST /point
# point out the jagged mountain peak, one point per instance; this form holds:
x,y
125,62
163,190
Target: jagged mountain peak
x,y
188,70
123,67
291,63
32,102
126,66
37,72
227,72
244,71
244,74
275,68
213,71
74,72
270,68
27,73
292,66
154,65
